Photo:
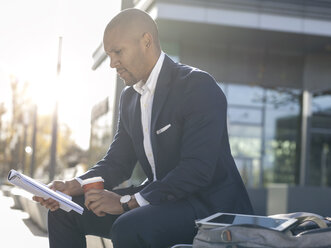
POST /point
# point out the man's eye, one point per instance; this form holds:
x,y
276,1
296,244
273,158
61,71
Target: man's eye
x,y
118,51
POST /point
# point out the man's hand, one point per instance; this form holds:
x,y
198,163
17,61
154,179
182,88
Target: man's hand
x,y
103,201
50,203
71,187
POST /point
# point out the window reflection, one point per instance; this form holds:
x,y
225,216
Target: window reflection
x,y
264,118
322,104
282,134
101,137
320,140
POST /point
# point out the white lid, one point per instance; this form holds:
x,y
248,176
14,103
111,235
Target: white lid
x,y
92,180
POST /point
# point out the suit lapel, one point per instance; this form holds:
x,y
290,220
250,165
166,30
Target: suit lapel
x,y
138,137
136,129
161,91
160,97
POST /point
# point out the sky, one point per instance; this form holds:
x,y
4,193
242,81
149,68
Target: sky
x,y
29,38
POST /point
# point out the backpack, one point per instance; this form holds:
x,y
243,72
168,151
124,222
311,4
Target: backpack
x,y
311,231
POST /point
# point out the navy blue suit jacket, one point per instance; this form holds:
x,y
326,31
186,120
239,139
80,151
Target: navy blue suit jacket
x,y
192,157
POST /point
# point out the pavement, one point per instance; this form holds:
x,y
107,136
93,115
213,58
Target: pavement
x,y
16,228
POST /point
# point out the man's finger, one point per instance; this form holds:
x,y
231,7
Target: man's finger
x,y
98,209
93,191
94,205
100,214
38,199
53,205
90,200
57,185
54,208
50,202
91,197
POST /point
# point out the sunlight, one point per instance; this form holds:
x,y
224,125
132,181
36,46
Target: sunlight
x,y
30,54
44,94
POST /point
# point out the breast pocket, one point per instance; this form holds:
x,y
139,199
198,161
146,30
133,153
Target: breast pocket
x,y
163,129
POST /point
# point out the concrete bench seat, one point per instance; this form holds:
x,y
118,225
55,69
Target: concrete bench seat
x,y
6,189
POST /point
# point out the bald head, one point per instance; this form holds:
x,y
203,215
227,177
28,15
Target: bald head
x,y
131,41
133,23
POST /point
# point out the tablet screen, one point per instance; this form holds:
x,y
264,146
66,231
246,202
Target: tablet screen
x,y
242,219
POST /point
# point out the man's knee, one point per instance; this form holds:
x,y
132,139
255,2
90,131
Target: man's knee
x,y
122,229
54,216
154,226
59,218
127,231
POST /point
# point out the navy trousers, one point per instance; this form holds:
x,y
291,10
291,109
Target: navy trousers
x,y
149,226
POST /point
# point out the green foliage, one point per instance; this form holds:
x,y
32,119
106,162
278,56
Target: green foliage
x,y
285,157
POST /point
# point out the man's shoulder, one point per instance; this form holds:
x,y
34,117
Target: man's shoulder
x,y
188,73
184,72
192,81
192,77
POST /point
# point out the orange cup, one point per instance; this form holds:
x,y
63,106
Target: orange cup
x,y
92,183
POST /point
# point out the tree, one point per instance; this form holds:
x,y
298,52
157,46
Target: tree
x,y
18,132
2,143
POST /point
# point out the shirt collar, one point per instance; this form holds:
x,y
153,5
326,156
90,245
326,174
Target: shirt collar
x,y
150,84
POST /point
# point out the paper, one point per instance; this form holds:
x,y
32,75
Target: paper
x,y
41,190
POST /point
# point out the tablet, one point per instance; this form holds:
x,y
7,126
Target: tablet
x,y
225,219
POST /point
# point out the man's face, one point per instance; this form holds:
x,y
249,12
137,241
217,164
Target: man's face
x,y
126,55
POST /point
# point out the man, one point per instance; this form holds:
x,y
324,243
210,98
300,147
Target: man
x,y
173,122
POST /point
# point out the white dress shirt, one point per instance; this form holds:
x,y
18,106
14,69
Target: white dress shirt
x,y
146,102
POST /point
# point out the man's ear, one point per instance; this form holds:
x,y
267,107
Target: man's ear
x,y
147,40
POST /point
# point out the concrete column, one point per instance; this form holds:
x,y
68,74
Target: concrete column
x,y
316,78
277,199
305,136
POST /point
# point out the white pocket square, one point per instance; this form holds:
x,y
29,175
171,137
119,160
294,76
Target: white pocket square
x,y
161,130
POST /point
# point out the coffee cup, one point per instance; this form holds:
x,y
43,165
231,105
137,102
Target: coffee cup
x,y
92,183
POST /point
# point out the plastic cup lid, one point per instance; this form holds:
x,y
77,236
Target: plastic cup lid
x,y
92,180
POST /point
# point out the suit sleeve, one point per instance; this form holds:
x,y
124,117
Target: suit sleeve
x,y
204,114
118,163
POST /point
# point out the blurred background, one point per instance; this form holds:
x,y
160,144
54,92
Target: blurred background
x,y
272,58
46,52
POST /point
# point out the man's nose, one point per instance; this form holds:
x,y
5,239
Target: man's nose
x,y
113,62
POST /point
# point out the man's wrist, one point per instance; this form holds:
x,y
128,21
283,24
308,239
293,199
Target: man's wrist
x,y
128,202
141,200
73,187
133,202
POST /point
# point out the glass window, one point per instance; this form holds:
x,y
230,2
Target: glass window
x,y
263,132
320,159
282,134
284,100
322,104
244,115
171,49
320,141
245,121
245,95
101,137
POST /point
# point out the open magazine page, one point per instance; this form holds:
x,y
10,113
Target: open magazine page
x,y
39,189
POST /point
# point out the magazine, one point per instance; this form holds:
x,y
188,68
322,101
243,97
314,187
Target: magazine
x,y
41,190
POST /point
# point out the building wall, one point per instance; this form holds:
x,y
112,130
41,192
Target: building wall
x,y
246,65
